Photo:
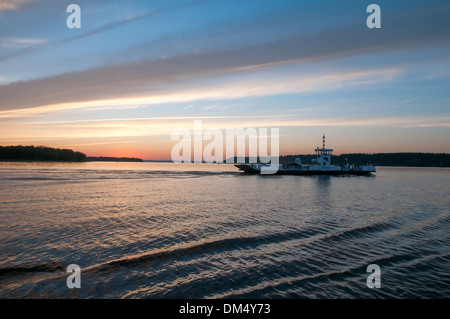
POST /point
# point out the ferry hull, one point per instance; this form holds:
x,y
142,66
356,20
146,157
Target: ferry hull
x,y
249,170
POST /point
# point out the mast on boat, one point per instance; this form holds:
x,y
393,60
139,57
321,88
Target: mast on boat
x,y
323,155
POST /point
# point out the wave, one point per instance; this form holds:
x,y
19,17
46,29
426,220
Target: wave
x,y
112,175
360,232
237,243
211,247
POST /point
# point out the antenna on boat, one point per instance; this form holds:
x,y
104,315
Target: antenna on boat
x,y
323,141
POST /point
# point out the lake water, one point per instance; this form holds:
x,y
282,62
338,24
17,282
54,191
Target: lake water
x,y
164,230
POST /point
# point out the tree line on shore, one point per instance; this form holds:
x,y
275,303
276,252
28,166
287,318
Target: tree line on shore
x,y
381,159
49,154
40,153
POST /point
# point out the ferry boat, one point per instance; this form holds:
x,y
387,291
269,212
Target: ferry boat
x,y
321,165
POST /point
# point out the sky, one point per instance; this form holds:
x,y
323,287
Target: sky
x,y
137,70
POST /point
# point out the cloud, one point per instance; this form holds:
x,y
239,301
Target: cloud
x,y
117,24
164,126
21,42
409,100
153,80
252,84
33,47
5,80
13,4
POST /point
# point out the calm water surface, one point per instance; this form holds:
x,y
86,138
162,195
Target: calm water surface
x,y
160,230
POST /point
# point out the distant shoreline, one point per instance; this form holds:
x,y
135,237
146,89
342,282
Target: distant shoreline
x,y
168,162
40,154
112,159
48,154
407,159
